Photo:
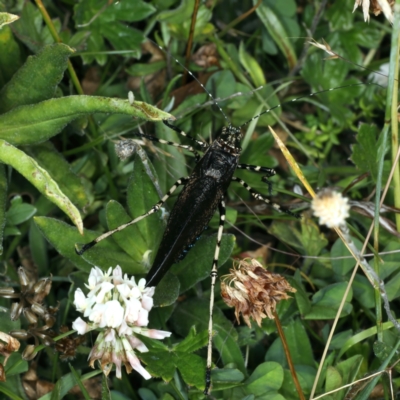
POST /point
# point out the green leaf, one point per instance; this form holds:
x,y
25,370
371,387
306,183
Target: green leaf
x,y
305,375
325,303
390,260
19,212
29,28
225,378
78,382
341,265
195,312
393,287
349,369
15,365
7,18
47,67
267,376
39,122
363,291
39,250
192,342
62,387
139,69
309,241
10,59
162,361
196,266
179,14
130,239
298,343
93,15
278,32
167,291
365,151
63,238
192,367
60,170
171,162
301,296
39,178
333,379
244,112
252,67
141,196
3,203
11,386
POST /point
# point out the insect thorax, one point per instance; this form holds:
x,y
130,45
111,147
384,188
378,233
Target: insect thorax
x,y
229,140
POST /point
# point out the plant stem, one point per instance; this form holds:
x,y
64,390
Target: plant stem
x,y
288,356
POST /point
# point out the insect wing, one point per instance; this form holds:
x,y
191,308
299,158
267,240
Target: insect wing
x,y
193,210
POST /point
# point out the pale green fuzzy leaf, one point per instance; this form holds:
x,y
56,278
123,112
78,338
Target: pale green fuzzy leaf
x,y
39,178
7,18
36,123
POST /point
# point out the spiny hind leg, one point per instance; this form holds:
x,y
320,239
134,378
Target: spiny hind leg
x,y
153,209
214,275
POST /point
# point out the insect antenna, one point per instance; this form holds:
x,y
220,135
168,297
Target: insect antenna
x,y
194,77
305,97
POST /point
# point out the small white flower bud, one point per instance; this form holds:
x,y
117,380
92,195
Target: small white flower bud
x,y
331,208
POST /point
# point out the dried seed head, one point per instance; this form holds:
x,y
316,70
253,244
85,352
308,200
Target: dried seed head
x,y
23,277
331,208
20,334
7,292
253,291
67,345
15,311
29,353
30,316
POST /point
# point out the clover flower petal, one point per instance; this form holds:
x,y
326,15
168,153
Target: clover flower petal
x,y
118,308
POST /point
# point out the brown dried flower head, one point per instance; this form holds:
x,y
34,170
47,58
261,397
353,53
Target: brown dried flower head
x,y
376,7
253,291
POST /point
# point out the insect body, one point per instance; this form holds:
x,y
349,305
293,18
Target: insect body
x,y
200,197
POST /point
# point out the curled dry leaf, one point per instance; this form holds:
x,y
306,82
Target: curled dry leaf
x,y
8,344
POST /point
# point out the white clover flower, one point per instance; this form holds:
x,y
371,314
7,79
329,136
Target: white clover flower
x,y
80,326
80,300
331,208
118,308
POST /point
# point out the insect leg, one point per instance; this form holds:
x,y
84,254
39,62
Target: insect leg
x,y
177,130
258,196
214,275
162,141
153,209
255,168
